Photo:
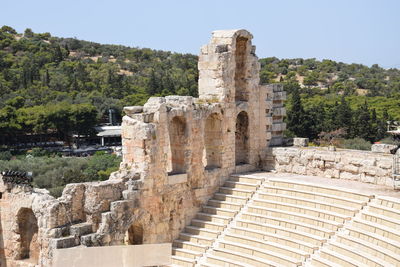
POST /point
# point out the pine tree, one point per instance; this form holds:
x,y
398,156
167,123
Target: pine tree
x,y
153,85
344,115
362,123
296,117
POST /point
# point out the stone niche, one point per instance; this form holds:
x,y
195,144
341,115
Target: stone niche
x,y
28,235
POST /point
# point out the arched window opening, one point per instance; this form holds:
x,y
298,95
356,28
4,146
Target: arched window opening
x,y
213,142
177,136
241,91
242,139
28,232
134,235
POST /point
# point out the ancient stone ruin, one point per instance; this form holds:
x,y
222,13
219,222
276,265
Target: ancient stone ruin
x,y
179,181
177,150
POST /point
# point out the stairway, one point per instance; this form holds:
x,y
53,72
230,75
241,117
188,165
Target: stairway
x,y
279,222
81,233
71,235
213,219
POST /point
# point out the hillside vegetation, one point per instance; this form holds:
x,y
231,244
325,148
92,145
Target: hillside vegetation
x,y
328,98
53,172
64,86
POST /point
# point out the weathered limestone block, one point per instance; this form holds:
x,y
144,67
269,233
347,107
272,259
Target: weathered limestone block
x,y
349,176
368,162
330,165
385,163
302,142
75,195
177,179
348,168
98,197
302,160
299,169
283,160
382,148
318,164
356,160
328,156
133,110
368,178
331,173
308,154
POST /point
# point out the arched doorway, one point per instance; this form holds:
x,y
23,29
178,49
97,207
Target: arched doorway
x,y
134,235
27,228
213,141
177,137
242,139
241,91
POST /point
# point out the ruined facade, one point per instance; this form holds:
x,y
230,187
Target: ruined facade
x,y
177,150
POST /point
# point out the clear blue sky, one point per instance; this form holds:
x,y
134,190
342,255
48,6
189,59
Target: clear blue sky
x,y
360,31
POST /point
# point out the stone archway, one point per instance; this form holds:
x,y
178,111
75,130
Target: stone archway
x,y
213,141
134,235
27,228
242,139
241,91
177,137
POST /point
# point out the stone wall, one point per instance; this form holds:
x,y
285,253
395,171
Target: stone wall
x,y
23,209
185,148
363,166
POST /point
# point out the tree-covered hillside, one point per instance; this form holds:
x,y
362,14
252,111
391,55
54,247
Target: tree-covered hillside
x,y
64,85
325,96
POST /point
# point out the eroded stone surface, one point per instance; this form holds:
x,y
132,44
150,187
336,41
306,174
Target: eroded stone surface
x,y
364,166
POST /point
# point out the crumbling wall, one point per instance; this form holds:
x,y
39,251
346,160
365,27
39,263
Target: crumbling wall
x,y
185,148
23,226
363,166
33,222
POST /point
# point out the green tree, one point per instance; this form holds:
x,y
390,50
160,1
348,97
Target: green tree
x,y
344,114
363,124
296,116
28,33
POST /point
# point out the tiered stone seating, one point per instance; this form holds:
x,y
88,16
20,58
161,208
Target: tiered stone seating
x,y
286,222
213,219
291,223
372,238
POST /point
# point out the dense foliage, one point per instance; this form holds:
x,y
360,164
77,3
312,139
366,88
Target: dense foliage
x,y
64,85
325,96
327,76
60,86
53,173
321,118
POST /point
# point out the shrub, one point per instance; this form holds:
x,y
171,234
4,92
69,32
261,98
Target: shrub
x,y
389,140
56,191
38,152
356,143
101,162
5,155
104,174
